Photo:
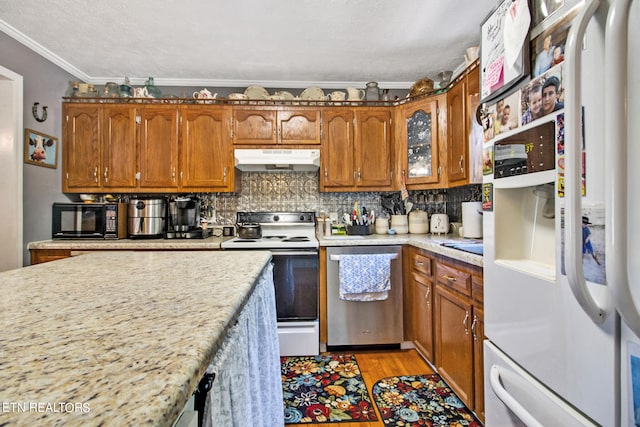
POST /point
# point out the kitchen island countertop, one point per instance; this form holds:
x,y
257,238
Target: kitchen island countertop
x,y
212,242
116,338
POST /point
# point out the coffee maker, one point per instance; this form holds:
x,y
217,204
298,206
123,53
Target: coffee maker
x,y
183,219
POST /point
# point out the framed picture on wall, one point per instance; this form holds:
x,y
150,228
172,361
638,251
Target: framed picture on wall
x,y
504,54
40,149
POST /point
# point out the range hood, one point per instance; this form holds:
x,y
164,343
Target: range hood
x,y
277,160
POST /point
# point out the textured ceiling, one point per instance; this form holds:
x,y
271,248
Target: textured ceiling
x,y
274,43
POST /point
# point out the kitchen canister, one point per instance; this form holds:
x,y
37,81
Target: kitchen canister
x,y
418,222
382,225
472,220
400,224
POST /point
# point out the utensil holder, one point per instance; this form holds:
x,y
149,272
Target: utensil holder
x,y
360,230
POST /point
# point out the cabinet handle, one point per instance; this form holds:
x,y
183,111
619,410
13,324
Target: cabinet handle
x,y
449,278
224,175
326,173
359,175
173,175
426,296
231,127
473,327
420,263
461,162
321,129
465,322
279,134
106,174
95,174
180,176
439,170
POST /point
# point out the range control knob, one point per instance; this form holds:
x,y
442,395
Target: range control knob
x,y
276,218
301,217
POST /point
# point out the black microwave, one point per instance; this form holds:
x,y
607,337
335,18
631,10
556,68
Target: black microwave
x,y
89,221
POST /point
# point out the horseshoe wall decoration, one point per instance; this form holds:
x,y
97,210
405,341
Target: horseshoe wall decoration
x,y
35,112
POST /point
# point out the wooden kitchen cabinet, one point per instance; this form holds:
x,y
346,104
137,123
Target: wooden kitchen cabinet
x,y
118,144
357,150
454,348
146,148
459,330
459,102
337,157
81,148
457,136
420,143
158,145
264,126
206,157
422,287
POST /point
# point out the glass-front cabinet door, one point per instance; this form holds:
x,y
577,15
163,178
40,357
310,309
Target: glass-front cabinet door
x,y
421,164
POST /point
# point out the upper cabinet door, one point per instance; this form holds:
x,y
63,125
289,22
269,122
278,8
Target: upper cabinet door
x,y
421,162
457,136
206,155
299,126
81,148
253,126
118,146
373,148
337,162
158,147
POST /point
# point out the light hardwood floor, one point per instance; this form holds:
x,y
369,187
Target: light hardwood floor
x,y
375,365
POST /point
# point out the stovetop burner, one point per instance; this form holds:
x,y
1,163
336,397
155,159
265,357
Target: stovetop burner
x,y
296,239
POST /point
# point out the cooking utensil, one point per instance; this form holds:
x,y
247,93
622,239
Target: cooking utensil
x,y
249,230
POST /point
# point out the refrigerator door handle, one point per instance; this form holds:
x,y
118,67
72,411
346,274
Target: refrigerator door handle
x,y
509,400
616,173
573,161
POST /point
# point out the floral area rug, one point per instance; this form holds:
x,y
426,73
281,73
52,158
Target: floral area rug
x,y
324,389
420,400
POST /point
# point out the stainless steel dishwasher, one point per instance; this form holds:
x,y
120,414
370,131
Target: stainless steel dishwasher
x,y
363,322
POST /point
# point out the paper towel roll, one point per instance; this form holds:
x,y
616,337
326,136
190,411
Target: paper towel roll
x,y
472,219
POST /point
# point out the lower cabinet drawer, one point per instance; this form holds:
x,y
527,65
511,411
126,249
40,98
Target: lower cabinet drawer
x,y
454,278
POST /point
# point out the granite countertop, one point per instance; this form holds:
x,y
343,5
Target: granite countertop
x,y
116,338
430,242
129,244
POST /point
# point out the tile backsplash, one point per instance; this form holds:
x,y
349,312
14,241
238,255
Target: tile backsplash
x,y
298,191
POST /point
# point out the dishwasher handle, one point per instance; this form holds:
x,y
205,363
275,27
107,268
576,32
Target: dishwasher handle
x,y
337,257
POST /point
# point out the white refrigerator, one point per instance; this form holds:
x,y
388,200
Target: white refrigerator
x,y
562,245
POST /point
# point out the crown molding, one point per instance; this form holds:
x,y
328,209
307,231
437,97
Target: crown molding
x,y
42,51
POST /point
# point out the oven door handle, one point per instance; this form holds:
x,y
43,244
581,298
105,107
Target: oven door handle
x,y
286,253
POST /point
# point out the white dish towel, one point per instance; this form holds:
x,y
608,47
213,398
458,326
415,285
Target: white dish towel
x,y
365,277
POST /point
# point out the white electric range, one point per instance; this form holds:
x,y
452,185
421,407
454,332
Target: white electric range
x,y
290,236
